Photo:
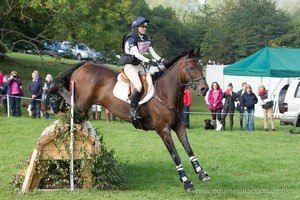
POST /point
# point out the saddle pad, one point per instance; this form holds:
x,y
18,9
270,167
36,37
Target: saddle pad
x,y
121,90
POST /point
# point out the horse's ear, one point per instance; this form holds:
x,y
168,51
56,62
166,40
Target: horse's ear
x,y
191,52
198,51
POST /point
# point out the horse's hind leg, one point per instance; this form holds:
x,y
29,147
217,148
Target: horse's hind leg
x,y
169,143
182,136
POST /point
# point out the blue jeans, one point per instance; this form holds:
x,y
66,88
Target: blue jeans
x,y
249,119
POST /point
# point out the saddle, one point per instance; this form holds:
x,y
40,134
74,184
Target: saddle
x,y
143,80
124,88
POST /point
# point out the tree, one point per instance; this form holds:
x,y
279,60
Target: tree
x,y
93,22
242,28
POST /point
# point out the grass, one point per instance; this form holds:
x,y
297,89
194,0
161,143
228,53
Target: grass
x,y
259,165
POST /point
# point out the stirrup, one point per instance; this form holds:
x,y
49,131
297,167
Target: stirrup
x,y
134,115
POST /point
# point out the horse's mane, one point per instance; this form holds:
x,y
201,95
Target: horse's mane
x,y
169,64
62,81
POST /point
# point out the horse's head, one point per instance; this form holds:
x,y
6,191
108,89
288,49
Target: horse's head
x,y
192,74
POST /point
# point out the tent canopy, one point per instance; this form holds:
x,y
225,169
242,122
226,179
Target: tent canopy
x,y
268,62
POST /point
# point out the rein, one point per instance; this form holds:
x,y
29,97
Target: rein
x,y
192,83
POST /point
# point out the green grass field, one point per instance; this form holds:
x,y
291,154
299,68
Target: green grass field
x,y
259,165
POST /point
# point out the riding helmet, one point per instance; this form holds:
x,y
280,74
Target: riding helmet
x,y
139,21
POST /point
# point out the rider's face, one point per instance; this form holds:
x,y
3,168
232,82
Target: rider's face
x,y
142,29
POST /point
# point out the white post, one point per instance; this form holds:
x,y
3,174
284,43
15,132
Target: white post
x,y
72,138
8,107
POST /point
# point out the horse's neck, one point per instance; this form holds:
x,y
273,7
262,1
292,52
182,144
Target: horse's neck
x,y
169,86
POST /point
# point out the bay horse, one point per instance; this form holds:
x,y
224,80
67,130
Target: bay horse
x,y
163,112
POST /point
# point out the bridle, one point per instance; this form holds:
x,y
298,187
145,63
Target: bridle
x,y
192,83
187,71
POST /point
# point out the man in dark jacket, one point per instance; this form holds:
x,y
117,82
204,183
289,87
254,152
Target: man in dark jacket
x,y
35,90
229,106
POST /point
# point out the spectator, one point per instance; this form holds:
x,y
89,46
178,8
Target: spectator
x,y
47,84
96,112
267,107
15,91
238,106
1,81
35,92
229,106
107,115
38,78
248,101
3,90
215,96
187,101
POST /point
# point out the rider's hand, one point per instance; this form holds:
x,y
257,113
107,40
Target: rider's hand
x,y
152,63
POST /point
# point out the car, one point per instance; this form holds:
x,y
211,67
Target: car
x,y
24,47
52,48
289,104
81,51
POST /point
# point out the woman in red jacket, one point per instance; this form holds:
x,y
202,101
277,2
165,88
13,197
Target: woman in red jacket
x,y
215,104
187,101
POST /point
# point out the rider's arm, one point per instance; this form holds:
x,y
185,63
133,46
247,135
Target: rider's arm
x,y
131,48
134,51
154,54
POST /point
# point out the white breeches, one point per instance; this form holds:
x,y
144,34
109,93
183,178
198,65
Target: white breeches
x,y
132,72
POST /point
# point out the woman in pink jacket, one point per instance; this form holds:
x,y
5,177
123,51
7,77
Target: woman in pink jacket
x,y
215,104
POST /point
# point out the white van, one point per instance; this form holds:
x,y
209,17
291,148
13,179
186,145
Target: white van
x,y
289,103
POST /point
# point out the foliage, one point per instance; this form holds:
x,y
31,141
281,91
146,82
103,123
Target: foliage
x,y
243,27
108,172
91,22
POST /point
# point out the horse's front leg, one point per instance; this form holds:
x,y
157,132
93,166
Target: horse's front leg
x,y
182,136
169,143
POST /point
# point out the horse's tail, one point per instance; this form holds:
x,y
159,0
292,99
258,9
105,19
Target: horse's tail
x,y
61,85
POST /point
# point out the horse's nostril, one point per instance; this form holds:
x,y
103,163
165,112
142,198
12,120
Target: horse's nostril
x,y
203,89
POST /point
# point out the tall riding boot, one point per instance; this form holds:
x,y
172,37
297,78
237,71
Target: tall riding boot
x,y
135,96
99,115
93,115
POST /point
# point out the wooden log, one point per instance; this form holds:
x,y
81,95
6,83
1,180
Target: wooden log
x,y
30,171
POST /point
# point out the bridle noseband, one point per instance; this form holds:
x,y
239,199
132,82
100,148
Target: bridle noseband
x,y
187,71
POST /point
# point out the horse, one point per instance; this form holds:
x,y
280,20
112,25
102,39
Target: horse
x,y
94,83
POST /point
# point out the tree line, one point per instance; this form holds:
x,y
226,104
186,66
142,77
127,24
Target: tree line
x,y
227,33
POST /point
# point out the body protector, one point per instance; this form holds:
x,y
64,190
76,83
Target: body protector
x,y
134,47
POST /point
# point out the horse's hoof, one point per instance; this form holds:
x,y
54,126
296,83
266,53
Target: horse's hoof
x,y
203,176
189,186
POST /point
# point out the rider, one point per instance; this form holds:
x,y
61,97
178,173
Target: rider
x,y
135,45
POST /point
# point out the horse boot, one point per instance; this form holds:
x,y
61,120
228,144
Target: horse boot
x,y
135,96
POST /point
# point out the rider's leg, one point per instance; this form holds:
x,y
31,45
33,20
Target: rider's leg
x,y
132,72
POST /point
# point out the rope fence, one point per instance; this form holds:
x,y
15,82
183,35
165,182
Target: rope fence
x,y
275,114
8,101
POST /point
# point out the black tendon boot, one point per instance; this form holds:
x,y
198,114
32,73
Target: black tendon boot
x,y
135,96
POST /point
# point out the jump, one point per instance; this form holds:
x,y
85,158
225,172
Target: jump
x,y
94,84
